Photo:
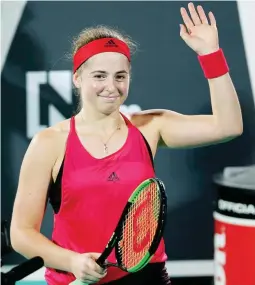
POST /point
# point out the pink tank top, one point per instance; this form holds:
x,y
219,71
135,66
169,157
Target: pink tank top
x,y
93,195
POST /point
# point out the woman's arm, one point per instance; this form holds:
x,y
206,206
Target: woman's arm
x,y
29,205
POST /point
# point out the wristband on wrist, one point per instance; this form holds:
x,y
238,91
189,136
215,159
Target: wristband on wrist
x,y
214,64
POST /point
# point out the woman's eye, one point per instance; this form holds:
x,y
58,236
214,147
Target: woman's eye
x,y
99,76
120,77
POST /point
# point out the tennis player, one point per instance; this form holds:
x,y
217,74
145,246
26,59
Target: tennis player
x,y
88,165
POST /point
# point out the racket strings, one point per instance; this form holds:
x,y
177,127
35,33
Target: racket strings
x,y
140,226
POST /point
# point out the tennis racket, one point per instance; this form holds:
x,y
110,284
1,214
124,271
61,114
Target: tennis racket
x,y
139,230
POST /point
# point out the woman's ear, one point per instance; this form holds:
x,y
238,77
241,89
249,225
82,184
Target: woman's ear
x,y
76,80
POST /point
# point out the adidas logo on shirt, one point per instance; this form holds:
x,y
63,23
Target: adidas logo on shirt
x,y
113,177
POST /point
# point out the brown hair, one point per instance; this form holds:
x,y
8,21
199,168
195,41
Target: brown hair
x,y
98,32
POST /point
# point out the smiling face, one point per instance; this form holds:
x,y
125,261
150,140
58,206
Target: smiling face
x,y
104,82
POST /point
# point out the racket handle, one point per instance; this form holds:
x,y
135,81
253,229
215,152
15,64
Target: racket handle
x,y
78,282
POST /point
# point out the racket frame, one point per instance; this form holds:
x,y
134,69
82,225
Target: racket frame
x,y
116,237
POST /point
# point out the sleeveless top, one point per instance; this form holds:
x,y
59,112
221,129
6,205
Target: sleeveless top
x,y
93,195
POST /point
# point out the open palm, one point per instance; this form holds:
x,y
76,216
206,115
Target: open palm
x,y
198,34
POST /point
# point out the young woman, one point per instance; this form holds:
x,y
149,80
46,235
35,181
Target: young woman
x,y
88,165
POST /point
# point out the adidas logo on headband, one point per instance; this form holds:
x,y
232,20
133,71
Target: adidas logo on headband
x,y
98,46
110,43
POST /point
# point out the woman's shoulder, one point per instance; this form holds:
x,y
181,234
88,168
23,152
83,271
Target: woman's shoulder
x,y
53,137
145,118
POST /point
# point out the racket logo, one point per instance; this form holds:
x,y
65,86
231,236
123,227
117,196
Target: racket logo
x,y
140,223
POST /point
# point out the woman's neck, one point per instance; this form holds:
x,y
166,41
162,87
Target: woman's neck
x,y
100,122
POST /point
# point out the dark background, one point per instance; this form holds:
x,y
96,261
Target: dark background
x,y
166,74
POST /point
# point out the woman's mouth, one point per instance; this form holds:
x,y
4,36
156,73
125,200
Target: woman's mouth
x,y
109,98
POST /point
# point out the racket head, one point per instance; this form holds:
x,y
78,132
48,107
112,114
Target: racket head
x,y
142,226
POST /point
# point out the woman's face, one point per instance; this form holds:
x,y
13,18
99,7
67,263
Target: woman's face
x,y
104,81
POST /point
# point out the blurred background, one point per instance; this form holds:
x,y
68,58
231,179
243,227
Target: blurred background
x,y
36,92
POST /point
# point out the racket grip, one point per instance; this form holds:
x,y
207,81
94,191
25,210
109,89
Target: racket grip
x,y
78,282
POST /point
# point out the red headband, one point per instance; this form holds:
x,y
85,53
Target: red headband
x,y
99,46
